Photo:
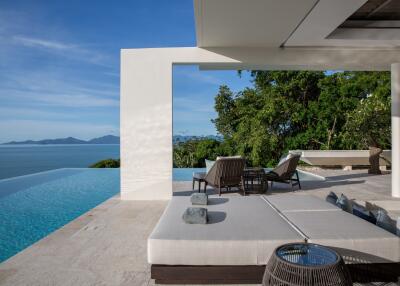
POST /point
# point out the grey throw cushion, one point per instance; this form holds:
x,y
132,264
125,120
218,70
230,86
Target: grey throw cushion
x,y
344,203
195,215
384,221
332,198
363,213
398,226
199,199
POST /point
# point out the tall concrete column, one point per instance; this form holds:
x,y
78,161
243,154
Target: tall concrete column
x,y
396,130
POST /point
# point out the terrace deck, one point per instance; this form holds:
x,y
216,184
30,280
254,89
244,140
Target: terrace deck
x,y
107,245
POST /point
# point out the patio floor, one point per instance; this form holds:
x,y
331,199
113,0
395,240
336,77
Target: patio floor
x,y
107,245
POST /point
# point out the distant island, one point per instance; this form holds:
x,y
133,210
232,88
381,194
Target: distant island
x,y
108,139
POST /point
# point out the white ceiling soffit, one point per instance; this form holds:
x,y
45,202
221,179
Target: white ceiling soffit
x,y
321,28
249,23
289,23
326,16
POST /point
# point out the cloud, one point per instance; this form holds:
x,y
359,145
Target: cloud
x,y
194,103
24,113
51,89
63,49
52,84
40,43
60,99
199,76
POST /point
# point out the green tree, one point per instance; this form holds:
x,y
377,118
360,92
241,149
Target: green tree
x,y
225,123
369,124
107,163
183,155
192,153
289,110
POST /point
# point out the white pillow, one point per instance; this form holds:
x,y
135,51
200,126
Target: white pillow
x,y
229,157
209,164
285,158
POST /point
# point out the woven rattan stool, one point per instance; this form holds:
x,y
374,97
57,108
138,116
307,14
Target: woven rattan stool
x,y
306,264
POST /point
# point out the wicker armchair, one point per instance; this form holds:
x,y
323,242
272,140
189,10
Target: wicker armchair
x,y
284,172
226,173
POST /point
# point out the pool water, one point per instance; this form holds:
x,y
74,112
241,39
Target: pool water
x,y
33,206
186,174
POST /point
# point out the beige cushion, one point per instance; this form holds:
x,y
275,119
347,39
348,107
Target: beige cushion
x,y
242,231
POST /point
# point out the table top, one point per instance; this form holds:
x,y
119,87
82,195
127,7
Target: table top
x,y
253,169
307,254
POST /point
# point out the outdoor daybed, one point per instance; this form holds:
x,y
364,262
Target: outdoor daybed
x,y
243,232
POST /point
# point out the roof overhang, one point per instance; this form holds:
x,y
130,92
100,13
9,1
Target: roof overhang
x,y
294,23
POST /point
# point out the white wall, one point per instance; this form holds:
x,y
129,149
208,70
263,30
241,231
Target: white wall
x,y
396,130
146,100
146,120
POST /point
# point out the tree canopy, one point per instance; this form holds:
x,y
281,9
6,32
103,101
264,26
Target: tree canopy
x,y
289,110
107,163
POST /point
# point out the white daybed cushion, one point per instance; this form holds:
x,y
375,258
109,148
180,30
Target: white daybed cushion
x,y
344,230
247,235
295,203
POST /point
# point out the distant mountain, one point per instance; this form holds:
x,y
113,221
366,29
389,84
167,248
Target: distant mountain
x,y
184,138
108,139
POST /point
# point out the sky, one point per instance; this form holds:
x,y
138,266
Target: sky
x,y
59,66
193,97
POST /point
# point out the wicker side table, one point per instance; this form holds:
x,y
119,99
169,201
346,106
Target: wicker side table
x,y
306,264
254,181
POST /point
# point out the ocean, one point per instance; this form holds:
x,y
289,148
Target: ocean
x,y
18,160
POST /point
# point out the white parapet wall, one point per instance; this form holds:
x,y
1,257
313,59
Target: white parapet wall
x,y
341,157
146,100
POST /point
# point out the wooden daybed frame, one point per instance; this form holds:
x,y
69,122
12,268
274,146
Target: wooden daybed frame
x,y
253,274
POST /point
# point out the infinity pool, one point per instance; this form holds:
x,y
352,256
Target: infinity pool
x,y
33,206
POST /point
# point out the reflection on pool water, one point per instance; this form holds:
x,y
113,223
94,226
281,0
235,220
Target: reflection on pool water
x,y
185,174
33,206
